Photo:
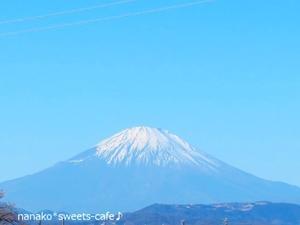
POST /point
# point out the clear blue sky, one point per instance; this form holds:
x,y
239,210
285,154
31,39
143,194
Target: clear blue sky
x,y
223,75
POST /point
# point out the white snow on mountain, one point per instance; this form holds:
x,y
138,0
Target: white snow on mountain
x,y
151,146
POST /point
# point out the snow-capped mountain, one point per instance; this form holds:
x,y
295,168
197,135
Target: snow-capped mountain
x,y
145,146
138,167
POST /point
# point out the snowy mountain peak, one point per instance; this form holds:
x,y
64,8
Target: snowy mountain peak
x,y
151,146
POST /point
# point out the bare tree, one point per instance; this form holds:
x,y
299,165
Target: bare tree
x,y
7,215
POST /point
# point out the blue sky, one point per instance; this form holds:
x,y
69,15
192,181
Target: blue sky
x,y
223,75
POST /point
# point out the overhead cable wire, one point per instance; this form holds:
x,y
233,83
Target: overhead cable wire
x,y
108,18
65,12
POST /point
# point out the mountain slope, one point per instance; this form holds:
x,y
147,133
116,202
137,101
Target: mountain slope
x,y
138,167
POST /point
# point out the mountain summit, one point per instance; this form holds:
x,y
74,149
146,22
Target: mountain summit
x,y
146,146
138,167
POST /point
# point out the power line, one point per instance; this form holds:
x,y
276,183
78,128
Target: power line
x,y
66,12
108,18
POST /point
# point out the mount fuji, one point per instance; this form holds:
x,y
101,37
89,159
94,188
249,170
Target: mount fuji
x,y
138,167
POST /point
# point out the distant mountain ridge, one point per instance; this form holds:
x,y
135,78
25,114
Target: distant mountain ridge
x,y
138,167
256,213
